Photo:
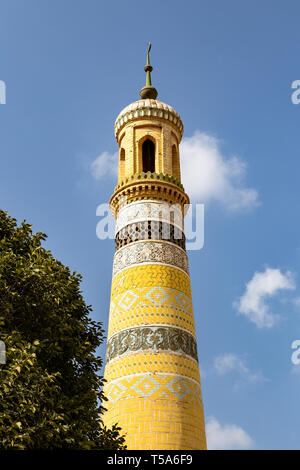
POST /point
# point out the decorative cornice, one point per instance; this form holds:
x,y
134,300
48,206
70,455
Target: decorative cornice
x,y
148,186
149,176
148,338
145,109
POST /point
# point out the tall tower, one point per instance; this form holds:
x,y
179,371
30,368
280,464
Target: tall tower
x,y
152,372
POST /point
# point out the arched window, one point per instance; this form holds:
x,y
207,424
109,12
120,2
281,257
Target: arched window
x,y
175,162
122,164
148,152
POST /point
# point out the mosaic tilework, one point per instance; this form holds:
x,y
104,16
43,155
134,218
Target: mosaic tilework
x,y
149,210
151,276
154,386
159,423
147,315
152,296
154,109
153,393
151,252
149,230
152,362
165,408
157,338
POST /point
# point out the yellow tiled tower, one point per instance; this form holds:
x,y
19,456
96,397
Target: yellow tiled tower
x,y
152,373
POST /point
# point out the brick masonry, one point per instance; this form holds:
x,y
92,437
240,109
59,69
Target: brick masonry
x,y
152,373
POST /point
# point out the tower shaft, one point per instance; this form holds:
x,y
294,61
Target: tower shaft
x,y
152,373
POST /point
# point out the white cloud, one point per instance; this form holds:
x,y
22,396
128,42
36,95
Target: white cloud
x,y
104,165
226,363
227,437
208,176
263,284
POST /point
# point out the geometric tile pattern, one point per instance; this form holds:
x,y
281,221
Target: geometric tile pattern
x,y
149,276
159,423
153,386
152,362
157,338
146,386
121,319
155,296
146,305
150,252
149,210
127,300
149,230
152,378
151,358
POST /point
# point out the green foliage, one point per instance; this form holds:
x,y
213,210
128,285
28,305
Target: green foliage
x,y
50,387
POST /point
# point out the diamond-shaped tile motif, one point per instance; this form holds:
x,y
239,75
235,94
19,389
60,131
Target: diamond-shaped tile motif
x,y
116,392
157,295
198,395
146,386
154,386
127,299
179,387
183,301
152,378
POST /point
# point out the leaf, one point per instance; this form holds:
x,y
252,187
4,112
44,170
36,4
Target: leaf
x,y
49,386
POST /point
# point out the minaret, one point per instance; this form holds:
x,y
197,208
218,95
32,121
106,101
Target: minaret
x,y
152,372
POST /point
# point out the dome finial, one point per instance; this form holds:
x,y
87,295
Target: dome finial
x,y
148,91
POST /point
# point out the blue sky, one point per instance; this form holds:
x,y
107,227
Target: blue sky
x,y
227,68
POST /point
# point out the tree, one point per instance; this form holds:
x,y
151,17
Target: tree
x,y
50,388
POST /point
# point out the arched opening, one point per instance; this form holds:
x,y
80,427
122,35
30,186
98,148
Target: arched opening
x,y
175,162
148,153
122,164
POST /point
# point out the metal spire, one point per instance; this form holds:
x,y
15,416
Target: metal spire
x,y
148,91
